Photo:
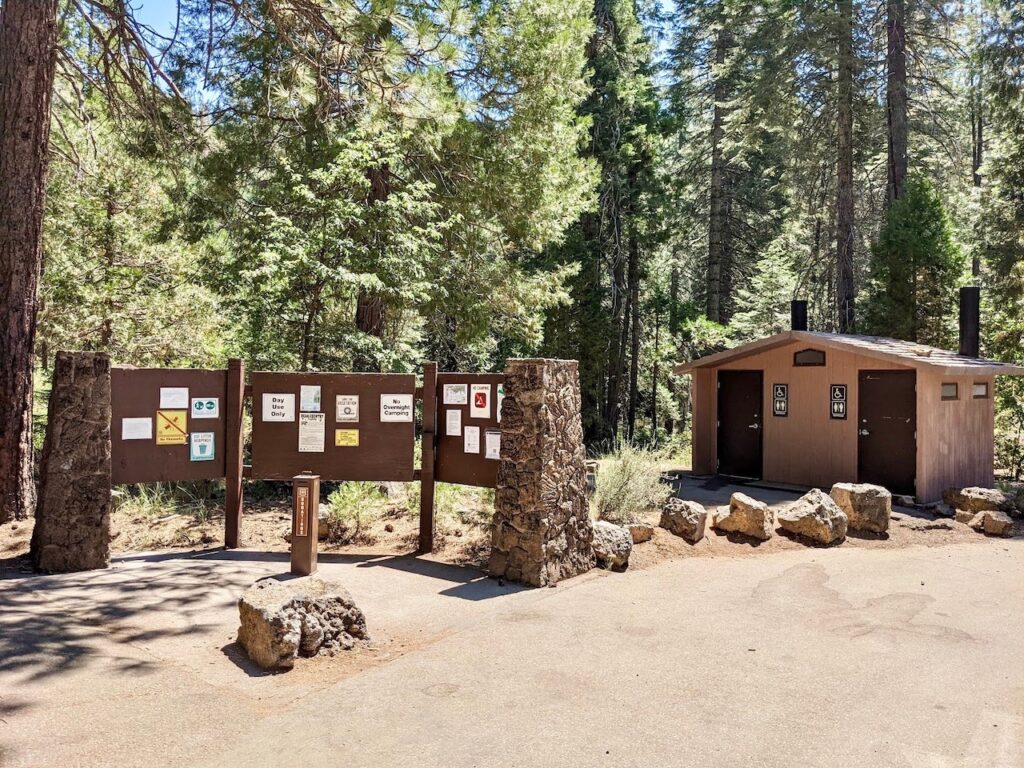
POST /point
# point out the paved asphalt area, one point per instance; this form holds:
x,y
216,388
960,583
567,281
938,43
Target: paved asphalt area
x,y
809,657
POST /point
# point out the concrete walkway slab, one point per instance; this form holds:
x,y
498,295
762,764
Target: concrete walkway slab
x,y
839,657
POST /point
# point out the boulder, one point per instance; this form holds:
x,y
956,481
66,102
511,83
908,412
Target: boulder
x,y
307,616
612,545
904,501
964,515
747,516
976,499
684,518
867,507
815,516
640,532
992,523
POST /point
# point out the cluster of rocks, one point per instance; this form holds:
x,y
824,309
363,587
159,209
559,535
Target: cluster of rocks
x,y
308,616
986,510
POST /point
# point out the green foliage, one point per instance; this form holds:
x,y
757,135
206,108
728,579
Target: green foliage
x,y
163,499
916,268
352,508
629,484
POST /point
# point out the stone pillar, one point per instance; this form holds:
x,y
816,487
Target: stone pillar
x,y
542,529
72,528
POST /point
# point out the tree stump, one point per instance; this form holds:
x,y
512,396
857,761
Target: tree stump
x,y
72,528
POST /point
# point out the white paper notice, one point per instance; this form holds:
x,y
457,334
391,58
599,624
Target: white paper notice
x,y
137,429
480,404
278,407
396,407
173,398
346,408
205,407
312,432
454,394
453,422
309,398
471,440
492,445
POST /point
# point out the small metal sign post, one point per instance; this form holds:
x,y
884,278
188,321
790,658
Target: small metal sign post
x,y
305,523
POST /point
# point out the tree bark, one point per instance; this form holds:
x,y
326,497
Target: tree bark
x,y
634,349
977,103
28,30
370,314
896,99
844,199
719,246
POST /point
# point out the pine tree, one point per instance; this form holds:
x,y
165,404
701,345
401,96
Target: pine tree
x,y
916,268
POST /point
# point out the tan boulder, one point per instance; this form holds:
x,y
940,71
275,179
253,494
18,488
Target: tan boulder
x,y
747,516
992,523
686,519
640,532
815,516
279,620
612,545
976,499
867,507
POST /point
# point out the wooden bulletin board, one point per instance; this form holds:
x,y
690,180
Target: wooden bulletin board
x,y
136,411
367,448
453,463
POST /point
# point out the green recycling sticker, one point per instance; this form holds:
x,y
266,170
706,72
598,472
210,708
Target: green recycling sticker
x,y
201,446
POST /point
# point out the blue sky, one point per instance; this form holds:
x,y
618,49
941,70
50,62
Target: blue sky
x,y
159,14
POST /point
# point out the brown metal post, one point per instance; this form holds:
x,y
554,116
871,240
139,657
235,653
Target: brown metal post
x,y
234,405
429,446
305,523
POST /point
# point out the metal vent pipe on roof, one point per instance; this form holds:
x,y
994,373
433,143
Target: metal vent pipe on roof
x,y
970,321
798,315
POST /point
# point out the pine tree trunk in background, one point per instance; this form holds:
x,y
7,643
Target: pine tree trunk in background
x,y
718,224
844,181
619,338
896,99
673,299
634,349
977,145
370,310
28,30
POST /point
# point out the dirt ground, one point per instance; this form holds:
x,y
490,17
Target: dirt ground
x,y
464,539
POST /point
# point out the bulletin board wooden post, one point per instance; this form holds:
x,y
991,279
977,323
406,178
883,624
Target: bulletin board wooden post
x,y
429,446
234,406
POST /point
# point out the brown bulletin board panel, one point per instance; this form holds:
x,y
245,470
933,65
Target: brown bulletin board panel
x,y
135,394
385,450
452,463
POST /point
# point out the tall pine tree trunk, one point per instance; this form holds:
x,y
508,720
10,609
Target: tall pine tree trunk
x,y
634,348
844,197
977,108
370,309
896,99
28,31
719,261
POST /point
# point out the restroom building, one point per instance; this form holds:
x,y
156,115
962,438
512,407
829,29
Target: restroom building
x,y
812,409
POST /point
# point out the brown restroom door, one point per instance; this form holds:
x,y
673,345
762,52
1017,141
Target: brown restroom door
x,y
887,429
739,423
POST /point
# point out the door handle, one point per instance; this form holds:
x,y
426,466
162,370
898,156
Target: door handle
x,y
753,426
863,432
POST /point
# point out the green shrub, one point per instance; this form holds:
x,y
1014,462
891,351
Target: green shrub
x,y
163,499
629,484
352,508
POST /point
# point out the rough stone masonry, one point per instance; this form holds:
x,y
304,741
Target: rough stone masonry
x,y
72,529
542,528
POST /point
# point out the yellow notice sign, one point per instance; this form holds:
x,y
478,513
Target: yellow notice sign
x,y
171,427
346,437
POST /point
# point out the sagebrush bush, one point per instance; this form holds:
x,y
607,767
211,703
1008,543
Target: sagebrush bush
x,y
629,484
353,507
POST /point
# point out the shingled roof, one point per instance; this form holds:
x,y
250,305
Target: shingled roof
x,y
893,350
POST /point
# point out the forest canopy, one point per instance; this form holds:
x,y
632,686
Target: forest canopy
x,y
348,185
